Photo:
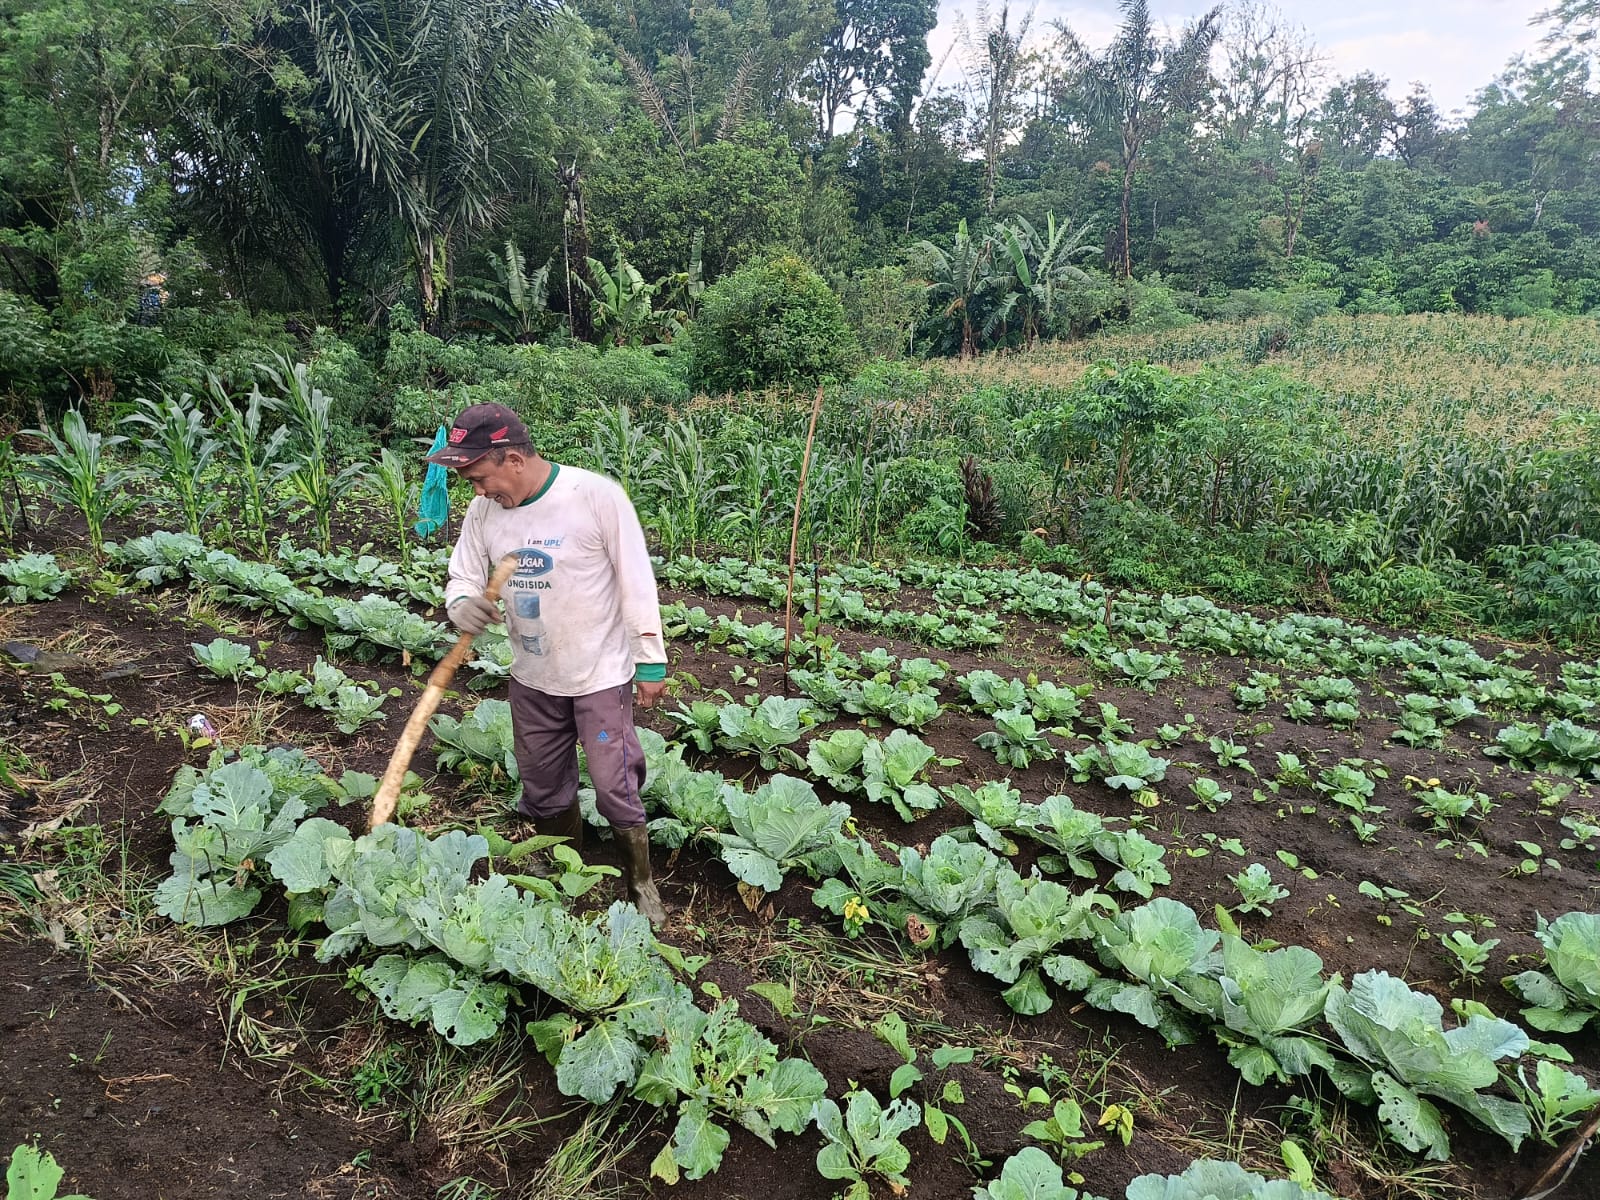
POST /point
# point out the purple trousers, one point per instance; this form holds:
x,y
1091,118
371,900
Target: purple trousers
x,y
546,730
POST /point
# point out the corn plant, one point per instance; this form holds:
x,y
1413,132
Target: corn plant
x,y
399,497
690,489
756,479
623,450
310,473
250,456
78,472
179,439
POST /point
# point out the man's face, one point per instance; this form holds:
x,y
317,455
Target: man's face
x,y
501,482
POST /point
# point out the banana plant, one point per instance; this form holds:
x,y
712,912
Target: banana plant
x,y
681,292
957,278
513,302
622,300
1042,268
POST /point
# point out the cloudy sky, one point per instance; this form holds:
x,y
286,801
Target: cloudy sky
x,y
1455,47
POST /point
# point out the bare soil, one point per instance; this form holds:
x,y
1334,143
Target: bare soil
x,y
150,1064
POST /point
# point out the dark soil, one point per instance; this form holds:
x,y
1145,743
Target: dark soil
x,y
132,1066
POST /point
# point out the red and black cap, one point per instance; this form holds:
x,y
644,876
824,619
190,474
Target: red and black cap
x,y
477,431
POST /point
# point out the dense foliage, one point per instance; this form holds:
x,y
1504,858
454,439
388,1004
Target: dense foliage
x,y
200,185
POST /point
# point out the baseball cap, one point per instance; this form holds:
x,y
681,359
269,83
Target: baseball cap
x,y
478,430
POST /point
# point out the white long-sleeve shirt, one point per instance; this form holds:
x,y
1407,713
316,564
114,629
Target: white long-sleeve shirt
x,y
581,608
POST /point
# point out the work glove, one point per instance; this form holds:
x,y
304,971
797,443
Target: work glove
x,y
473,614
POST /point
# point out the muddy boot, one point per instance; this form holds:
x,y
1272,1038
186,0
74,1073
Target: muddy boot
x,y
568,824
636,878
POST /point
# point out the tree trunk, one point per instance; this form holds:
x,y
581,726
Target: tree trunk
x,y
575,240
1123,456
1127,200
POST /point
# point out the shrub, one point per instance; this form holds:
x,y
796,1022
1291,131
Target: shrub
x,y
772,322
885,306
638,376
1554,586
1438,595
338,369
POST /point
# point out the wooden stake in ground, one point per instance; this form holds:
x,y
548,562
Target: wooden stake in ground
x,y
794,539
1556,1171
394,774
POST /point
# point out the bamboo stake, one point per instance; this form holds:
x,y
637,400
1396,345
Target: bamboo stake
x,y
394,774
794,538
1556,1172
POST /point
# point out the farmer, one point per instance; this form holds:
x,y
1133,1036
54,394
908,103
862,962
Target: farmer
x,y
584,622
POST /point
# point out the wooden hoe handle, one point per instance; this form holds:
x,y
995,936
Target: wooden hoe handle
x,y
394,774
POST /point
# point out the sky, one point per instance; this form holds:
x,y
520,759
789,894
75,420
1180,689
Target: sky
x,y
1454,47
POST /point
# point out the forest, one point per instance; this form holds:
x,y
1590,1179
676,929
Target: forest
x,y
190,184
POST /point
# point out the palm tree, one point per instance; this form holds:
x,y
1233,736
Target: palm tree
x,y
994,63
1138,82
428,97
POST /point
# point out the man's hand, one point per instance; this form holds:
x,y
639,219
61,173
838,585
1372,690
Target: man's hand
x,y
649,695
473,614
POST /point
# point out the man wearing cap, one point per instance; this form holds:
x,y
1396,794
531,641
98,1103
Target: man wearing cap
x,y
584,621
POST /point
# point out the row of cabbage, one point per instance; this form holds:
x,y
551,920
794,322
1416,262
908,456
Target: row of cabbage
x,y
462,954
877,686
1440,666
1446,670
1270,1007
373,624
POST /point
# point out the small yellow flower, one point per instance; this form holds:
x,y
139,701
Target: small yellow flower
x,y
1433,783
855,909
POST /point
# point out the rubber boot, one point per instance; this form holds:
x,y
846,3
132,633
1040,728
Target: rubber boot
x,y
568,824
636,878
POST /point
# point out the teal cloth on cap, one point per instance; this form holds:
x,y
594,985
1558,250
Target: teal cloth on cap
x,y
433,506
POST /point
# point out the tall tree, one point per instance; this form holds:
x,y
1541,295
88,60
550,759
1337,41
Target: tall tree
x,y
1418,134
1355,120
1573,33
83,85
1268,74
994,62
1138,83
873,58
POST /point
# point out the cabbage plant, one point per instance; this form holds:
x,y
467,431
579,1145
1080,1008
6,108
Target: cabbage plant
x,y
1406,1055
1211,1179
33,577
1565,995
780,826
